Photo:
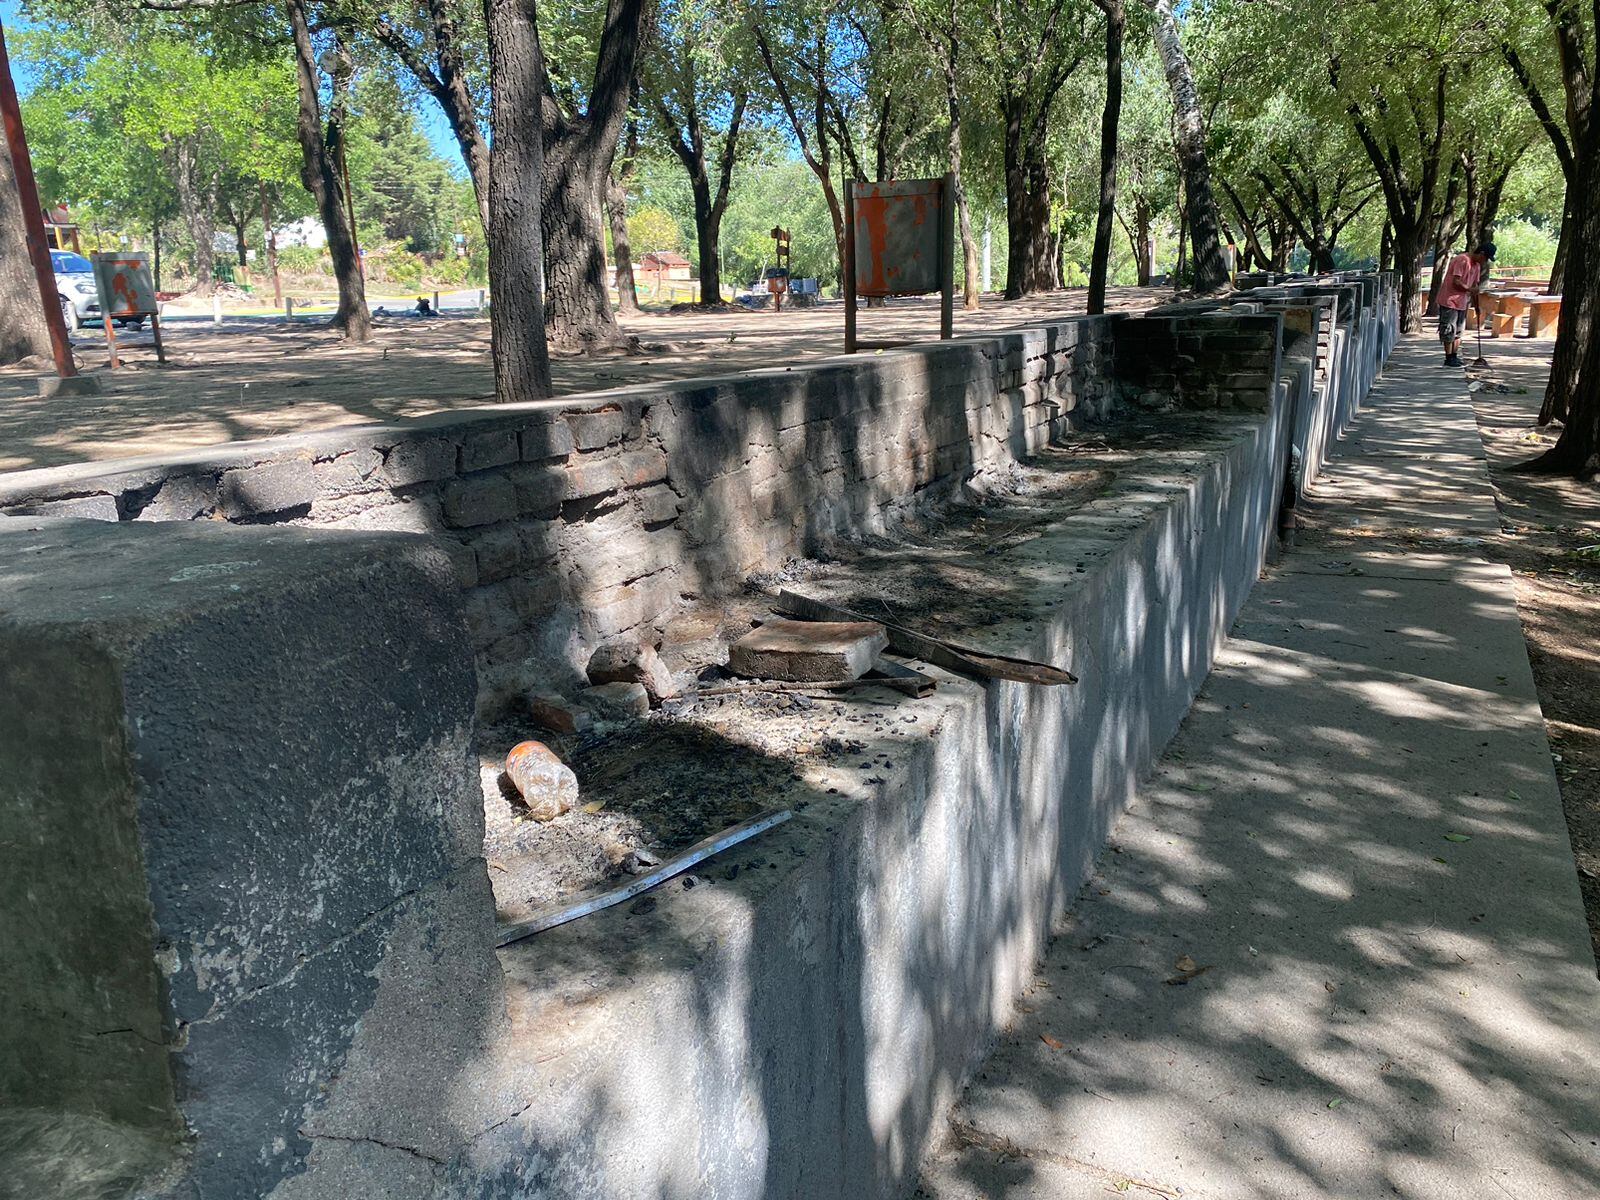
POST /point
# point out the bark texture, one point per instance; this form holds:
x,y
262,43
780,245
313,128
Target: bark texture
x,y
1189,137
578,152
516,247
23,332
1110,121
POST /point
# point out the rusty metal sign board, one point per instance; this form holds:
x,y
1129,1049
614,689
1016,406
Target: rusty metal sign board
x,y
897,236
899,241
124,283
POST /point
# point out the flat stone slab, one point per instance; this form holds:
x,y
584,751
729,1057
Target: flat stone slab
x,y
809,651
1337,948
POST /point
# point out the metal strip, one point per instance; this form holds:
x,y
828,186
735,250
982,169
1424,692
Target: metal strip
x,y
597,898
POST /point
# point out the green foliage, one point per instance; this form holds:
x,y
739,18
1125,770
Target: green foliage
x,y
652,228
1521,243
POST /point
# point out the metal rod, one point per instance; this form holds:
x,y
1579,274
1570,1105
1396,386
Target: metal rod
x,y
33,217
597,898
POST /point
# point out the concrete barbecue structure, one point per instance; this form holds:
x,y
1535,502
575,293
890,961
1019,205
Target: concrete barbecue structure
x,y
257,953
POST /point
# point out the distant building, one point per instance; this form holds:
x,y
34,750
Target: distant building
x,y
665,264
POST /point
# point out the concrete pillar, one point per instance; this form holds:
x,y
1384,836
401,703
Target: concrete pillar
x,y
242,817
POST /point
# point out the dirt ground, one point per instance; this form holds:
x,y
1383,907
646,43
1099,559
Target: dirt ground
x,y
1550,537
255,377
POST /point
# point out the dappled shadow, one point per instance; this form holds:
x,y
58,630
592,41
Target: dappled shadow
x,y
1336,949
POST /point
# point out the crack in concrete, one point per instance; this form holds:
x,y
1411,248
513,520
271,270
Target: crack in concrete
x,y
337,1137
970,1136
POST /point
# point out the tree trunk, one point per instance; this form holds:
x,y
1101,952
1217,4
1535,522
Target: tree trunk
x,y
1040,273
1386,248
1573,394
1558,270
971,283
23,332
707,228
1141,242
1018,229
516,249
319,172
271,238
1110,120
1410,249
1200,207
578,152
240,247
198,216
621,249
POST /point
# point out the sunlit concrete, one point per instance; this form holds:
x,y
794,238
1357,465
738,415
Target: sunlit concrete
x,y
1336,948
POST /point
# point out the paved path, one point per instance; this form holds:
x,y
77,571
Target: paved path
x,y
1355,850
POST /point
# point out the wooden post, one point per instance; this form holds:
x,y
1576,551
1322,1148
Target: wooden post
x,y
111,340
155,331
849,266
947,258
33,218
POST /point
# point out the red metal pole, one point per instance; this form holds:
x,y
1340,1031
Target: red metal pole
x,y
33,216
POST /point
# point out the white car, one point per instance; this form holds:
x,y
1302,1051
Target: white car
x,y
76,291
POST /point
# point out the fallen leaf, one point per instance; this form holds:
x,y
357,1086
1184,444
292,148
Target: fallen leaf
x,y
1335,1103
593,806
1329,986
1051,1042
1437,859
1185,964
1456,837
1512,794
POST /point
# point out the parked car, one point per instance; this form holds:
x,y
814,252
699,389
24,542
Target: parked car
x,y
80,302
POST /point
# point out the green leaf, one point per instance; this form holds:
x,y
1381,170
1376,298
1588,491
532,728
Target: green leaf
x,y
1456,837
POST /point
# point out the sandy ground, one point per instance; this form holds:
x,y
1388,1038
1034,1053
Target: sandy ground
x,y
255,377
1551,540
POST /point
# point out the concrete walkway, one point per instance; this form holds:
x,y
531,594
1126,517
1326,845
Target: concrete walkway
x,y
1336,948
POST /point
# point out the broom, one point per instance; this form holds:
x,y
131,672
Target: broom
x,y
1480,362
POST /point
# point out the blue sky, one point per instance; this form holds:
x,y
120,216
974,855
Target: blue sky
x,y
433,122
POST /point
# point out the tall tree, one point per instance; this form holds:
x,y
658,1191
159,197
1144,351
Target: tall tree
x,y
581,127
1573,394
438,42
697,98
1110,122
1031,52
516,192
23,332
940,25
321,137
1189,141
622,173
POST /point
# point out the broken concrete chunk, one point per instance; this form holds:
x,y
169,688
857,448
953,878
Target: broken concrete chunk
x,y
557,713
617,701
546,784
628,661
808,651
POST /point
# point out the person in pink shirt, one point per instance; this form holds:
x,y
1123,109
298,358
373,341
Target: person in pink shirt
x,y
1458,289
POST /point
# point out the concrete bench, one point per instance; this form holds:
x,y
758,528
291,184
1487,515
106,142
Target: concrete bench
x,y
1544,315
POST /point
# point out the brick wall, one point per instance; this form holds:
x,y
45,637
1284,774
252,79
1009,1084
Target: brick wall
x,y
570,522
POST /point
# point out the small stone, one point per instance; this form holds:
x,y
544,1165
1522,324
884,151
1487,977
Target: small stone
x,y
557,713
546,784
628,661
617,701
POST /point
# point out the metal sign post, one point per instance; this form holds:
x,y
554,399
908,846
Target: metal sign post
x,y
126,291
899,240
